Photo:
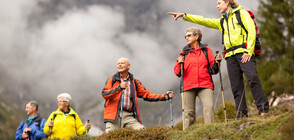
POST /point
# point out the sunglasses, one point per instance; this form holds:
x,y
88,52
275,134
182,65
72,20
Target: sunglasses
x,y
188,35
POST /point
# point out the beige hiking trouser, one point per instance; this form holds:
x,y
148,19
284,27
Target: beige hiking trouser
x,y
128,121
206,97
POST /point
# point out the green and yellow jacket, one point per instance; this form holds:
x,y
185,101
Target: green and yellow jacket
x,y
234,34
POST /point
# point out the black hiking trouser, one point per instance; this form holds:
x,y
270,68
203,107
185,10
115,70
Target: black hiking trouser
x,y
236,69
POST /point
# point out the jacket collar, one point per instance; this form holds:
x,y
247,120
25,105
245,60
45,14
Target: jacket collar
x,y
70,112
232,11
117,76
188,48
35,119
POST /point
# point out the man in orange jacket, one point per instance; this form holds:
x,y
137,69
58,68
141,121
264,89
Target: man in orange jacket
x,y
123,86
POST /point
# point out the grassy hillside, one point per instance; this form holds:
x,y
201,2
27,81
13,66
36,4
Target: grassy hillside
x,y
10,117
278,125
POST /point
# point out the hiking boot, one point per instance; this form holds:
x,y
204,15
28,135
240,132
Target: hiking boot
x,y
263,114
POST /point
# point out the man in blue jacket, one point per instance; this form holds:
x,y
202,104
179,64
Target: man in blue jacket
x,y
32,127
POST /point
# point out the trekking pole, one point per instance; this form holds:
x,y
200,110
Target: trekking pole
x,y
121,107
28,138
241,101
171,112
88,121
50,130
182,93
222,89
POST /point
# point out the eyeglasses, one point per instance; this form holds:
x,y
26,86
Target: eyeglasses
x,y
188,35
61,101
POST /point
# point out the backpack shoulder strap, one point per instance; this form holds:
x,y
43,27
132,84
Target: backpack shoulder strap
x,y
238,16
54,116
210,71
74,115
113,80
39,121
204,49
222,25
135,80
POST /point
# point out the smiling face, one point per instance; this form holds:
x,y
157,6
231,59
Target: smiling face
x,y
123,65
62,104
223,6
30,109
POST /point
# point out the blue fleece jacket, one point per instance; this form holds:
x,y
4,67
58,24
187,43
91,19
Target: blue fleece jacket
x,y
36,132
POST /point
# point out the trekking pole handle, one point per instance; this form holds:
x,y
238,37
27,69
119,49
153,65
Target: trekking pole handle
x,y
88,121
216,52
28,138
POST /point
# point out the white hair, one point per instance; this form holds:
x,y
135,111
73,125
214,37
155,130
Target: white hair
x,y
65,96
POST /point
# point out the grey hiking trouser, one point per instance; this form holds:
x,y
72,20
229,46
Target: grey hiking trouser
x,y
206,97
128,121
236,69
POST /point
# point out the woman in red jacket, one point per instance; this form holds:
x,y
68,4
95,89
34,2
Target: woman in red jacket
x,y
197,81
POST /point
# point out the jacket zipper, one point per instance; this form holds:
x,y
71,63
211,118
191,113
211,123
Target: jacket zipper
x,y
233,23
228,30
242,35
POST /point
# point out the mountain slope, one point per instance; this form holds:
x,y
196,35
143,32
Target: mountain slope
x,y
10,118
279,124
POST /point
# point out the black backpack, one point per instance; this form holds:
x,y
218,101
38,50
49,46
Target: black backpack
x,y
54,116
257,48
26,121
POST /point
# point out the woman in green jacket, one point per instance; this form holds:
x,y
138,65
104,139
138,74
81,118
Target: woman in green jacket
x,y
239,52
64,122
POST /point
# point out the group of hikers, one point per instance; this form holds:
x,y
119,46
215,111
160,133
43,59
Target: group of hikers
x,y
62,123
195,65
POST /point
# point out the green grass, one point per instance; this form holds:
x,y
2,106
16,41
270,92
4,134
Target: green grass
x,y
279,124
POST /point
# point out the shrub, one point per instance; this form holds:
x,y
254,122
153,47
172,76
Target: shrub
x,y
230,112
179,126
287,128
157,132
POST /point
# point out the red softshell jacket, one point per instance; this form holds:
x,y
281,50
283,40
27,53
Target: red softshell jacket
x,y
196,74
112,94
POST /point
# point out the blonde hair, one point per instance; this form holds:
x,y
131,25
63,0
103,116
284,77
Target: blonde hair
x,y
233,3
195,31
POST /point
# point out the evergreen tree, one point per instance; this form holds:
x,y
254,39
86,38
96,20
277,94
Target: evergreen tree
x,y
276,28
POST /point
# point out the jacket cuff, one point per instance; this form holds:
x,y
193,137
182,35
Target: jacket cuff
x,y
185,16
251,53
